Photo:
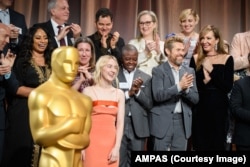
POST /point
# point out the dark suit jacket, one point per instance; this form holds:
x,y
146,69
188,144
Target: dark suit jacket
x,y
165,95
18,20
100,51
240,109
48,25
139,106
7,86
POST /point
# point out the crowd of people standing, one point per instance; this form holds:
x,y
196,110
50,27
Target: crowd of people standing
x,y
172,94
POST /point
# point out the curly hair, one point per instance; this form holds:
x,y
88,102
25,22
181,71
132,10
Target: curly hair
x,y
27,46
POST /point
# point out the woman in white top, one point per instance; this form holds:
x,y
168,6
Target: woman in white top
x,y
188,20
148,43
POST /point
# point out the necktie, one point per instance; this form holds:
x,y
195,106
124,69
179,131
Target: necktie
x,y
62,41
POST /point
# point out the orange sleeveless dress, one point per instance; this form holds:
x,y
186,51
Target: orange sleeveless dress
x,y
102,134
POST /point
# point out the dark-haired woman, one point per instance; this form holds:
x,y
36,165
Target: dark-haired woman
x,y
32,68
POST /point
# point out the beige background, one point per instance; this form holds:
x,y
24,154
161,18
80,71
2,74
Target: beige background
x,y
230,16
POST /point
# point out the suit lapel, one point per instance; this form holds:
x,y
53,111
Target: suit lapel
x,y
50,28
168,72
121,76
181,72
136,74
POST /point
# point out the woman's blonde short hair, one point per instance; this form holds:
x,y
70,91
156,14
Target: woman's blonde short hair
x,y
186,12
101,62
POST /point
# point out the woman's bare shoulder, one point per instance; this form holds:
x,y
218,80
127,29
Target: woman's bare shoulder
x,y
223,58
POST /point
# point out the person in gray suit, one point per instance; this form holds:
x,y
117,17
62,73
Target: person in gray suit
x,y
136,85
174,92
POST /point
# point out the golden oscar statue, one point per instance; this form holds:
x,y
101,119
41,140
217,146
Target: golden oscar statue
x,y
60,117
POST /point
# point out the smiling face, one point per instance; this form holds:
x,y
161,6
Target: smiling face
x,y
208,42
109,71
40,41
146,25
188,24
85,53
129,60
176,54
104,25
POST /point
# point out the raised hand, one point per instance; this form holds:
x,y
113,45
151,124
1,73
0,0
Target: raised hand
x,y
114,40
186,81
64,31
76,29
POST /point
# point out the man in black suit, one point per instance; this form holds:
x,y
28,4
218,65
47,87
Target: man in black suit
x,y
16,22
66,33
240,109
137,89
7,79
105,42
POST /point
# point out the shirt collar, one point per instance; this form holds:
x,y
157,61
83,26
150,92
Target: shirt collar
x,y
6,11
172,67
126,71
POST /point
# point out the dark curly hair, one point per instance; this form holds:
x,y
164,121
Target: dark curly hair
x,y
26,46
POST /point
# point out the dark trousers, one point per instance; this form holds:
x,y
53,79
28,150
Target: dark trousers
x,y
130,142
1,145
242,148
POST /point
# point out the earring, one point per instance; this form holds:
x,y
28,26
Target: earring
x,y
215,47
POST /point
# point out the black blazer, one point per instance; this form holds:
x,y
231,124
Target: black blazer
x,y
240,109
48,25
18,20
100,51
8,87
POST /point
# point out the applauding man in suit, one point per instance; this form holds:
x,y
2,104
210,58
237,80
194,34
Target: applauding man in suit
x,y
15,21
137,87
64,34
105,42
174,91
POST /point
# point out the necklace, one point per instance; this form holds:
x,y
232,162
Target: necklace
x,y
43,72
212,55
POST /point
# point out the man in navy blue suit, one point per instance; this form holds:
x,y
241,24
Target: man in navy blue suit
x,y
16,22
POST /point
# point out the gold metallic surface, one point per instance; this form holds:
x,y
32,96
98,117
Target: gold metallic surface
x,y
60,117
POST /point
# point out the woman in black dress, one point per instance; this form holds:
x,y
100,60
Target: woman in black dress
x,y
214,77
32,68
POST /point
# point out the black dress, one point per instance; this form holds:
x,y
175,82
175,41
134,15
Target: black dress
x,y
211,113
18,141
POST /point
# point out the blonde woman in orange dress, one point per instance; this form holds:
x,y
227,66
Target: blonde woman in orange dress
x,y
107,116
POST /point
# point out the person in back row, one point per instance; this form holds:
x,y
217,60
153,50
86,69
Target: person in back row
x,y
63,34
148,43
105,42
239,49
16,22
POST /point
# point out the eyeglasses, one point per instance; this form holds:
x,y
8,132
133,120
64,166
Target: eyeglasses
x,y
147,23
